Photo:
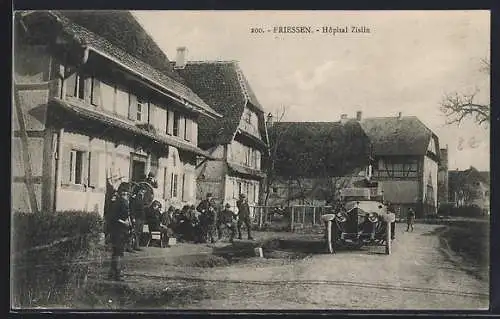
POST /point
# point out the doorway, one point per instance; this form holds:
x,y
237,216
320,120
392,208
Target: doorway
x,y
138,168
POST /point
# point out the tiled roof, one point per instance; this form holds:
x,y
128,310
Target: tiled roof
x,y
397,136
457,179
302,145
222,85
103,117
103,45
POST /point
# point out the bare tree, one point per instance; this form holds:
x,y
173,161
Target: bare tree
x,y
458,106
274,142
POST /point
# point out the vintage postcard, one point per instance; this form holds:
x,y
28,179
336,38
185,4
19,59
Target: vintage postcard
x,y
256,160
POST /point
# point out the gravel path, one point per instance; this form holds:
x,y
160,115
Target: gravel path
x,y
417,275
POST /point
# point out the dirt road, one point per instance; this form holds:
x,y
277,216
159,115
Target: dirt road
x,y
416,276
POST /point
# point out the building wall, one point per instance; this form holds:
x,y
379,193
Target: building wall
x,y
235,185
104,158
210,176
430,176
35,82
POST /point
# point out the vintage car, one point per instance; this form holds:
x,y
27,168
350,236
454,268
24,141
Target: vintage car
x,y
358,221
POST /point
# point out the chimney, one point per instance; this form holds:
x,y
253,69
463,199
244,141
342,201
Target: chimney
x,y
343,118
269,121
358,115
180,61
400,115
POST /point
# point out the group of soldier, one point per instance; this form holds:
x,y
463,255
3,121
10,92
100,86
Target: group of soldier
x,y
127,211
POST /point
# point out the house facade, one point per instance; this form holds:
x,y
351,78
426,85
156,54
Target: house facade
x,y
468,188
406,157
402,161
238,141
91,108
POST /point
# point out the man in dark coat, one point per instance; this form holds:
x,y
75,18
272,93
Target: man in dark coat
x,y
138,214
118,227
208,221
227,221
244,216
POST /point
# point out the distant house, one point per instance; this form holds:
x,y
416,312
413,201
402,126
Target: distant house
x,y
96,101
404,156
470,187
314,160
238,141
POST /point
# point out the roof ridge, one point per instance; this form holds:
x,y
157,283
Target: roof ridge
x,y
210,61
64,19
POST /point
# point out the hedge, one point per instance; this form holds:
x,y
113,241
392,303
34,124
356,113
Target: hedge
x,y
50,254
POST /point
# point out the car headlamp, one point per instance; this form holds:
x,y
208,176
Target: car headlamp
x,y
341,217
373,217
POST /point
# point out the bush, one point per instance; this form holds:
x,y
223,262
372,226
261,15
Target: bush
x,y
50,253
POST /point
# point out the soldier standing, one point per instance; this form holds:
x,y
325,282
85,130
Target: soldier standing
x,y
138,214
208,217
118,227
410,219
392,219
244,216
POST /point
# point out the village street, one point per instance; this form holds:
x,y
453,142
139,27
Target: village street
x,y
418,275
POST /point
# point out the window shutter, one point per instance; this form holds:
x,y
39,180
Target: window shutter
x,y
71,85
65,167
85,168
189,133
96,92
170,122
87,89
132,107
94,169
184,187
182,126
151,116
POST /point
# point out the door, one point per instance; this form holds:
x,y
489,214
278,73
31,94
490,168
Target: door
x,y
138,168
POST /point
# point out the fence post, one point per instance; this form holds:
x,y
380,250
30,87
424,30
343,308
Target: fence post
x,y
292,219
260,217
314,216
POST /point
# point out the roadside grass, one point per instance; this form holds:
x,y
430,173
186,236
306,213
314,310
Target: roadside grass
x,y
469,240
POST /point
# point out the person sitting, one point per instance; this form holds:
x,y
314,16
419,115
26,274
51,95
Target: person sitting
x,y
156,223
367,227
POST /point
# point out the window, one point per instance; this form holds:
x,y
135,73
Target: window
x,y
397,168
275,190
175,177
76,167
177,119
248,116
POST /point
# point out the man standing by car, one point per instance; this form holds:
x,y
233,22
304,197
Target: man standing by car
x,y
227,220
391,214
244,216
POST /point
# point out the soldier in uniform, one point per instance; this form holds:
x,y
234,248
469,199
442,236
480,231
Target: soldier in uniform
x,y
227,220
118,227
244,216
208,218
410,219
138,214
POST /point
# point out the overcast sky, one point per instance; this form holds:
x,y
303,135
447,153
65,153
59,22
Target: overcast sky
x,y
407,62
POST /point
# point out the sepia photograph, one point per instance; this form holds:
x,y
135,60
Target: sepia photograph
x,y
250,160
